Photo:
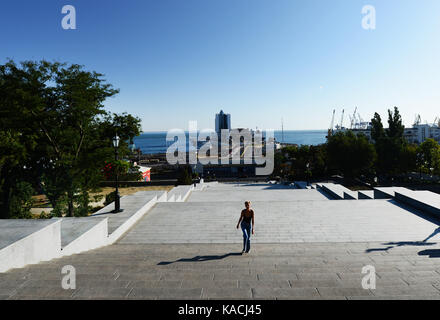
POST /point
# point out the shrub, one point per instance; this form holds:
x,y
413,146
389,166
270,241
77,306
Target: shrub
x,y
21,201
44,215
60,208
184,177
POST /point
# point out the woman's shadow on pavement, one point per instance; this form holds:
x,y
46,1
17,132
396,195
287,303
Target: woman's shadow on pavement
x,y
423,243
201,258
432,253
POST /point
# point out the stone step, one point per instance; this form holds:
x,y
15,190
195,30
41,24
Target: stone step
x,y
180,193
387,192
366,194
271,194
83,234
336,191
425,201
270,271
280,222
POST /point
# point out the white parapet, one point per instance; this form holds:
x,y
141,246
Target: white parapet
x,y
181,193
186,191
338,192
26,242
162,197
116,234
171,198
388,192
92,237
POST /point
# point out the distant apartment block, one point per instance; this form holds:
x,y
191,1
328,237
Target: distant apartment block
x,y
419,133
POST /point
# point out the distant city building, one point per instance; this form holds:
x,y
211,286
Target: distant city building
x,y
222,121
416,134
419,133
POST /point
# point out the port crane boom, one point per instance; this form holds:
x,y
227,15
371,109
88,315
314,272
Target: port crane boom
x,y
353,119
342,118
330,130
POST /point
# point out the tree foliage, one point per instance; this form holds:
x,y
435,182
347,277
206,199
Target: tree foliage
x,y
184,177
352,155
21,200
301,162
57,133
429,156
391,148
349,154
377,130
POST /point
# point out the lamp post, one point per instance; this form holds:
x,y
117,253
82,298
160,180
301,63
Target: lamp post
x,y
308,173
117,197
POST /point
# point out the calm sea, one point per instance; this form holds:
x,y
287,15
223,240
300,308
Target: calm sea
x,y
155,142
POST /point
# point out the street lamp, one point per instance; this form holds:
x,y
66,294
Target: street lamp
x,y
308,173
117,197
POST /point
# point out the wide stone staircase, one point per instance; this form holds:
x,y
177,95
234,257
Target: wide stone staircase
x,y
184,245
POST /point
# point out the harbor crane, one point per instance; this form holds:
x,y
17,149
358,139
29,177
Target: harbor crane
x,y
418,120
330,130
353,119
342,118
361,121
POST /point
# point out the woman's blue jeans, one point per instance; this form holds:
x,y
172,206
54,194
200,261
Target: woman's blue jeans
x,y
247,231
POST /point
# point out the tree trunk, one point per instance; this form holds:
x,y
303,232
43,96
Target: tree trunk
x,y
70,204
6,193
6,198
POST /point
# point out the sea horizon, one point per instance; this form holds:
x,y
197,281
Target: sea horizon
x,y
153,142
285,130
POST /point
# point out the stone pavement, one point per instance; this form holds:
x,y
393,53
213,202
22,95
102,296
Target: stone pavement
x,y
241,194
405,270
305,247
281,222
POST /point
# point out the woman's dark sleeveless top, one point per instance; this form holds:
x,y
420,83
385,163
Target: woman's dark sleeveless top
x,y
247,219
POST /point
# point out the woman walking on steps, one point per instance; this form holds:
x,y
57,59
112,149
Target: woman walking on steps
x,y
246,217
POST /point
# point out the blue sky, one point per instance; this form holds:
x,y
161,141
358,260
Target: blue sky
x,y
260,60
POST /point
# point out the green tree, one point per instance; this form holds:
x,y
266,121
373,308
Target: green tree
x,y
20,149
349,154
377,130
61,134
184,177
429,151
21,201
300,163
389,144
408,158
395,127
318,161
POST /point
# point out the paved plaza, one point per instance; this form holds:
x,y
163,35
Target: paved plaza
x,y
305,247
281,222
405,270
